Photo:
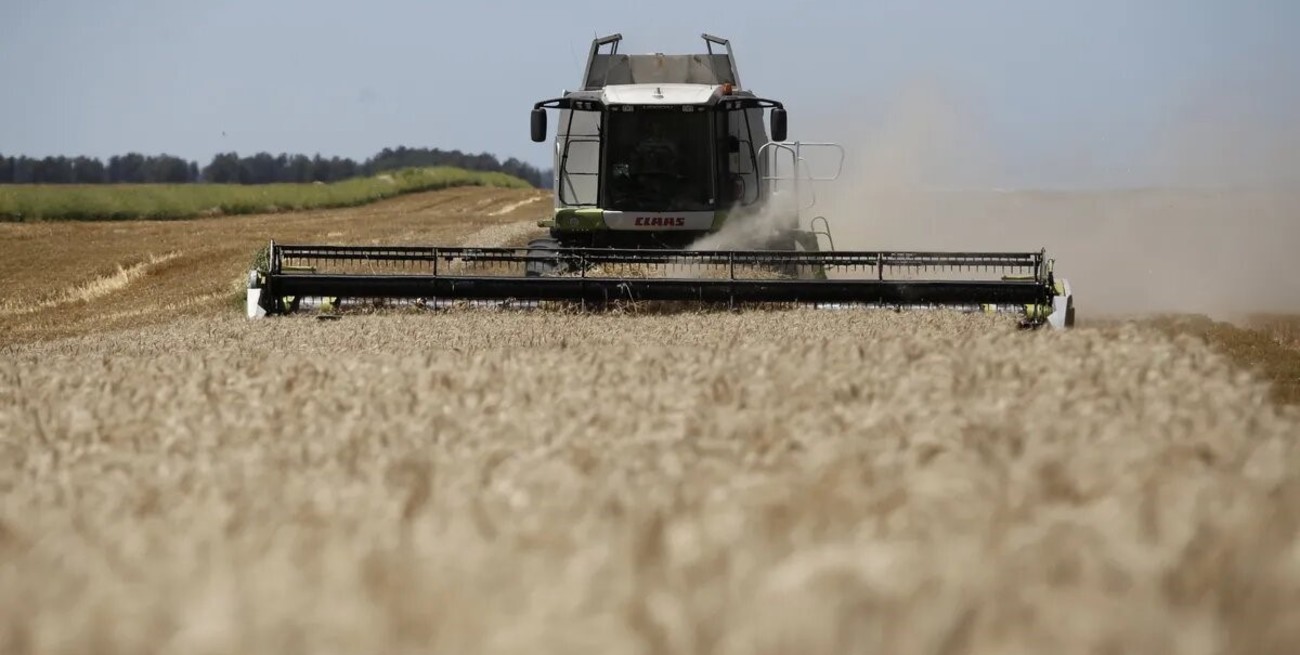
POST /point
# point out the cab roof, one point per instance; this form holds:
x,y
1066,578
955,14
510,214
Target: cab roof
x,y
661,94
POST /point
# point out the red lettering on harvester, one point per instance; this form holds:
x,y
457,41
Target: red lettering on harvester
x,y
659,221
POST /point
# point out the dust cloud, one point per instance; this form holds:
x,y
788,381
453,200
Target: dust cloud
x,y
753,230
1210,224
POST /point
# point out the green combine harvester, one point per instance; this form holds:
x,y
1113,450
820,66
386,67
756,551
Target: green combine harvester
x,y
656,156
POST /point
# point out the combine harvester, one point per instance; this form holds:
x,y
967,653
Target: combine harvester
x,y
655,157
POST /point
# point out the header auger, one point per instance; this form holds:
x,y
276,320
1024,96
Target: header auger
x,y
655,155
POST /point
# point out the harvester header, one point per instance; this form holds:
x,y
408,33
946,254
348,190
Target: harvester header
x,y
656,157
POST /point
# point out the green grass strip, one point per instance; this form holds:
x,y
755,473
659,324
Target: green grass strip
x,y
104,202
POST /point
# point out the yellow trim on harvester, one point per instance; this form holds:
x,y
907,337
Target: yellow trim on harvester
x,y
1037,311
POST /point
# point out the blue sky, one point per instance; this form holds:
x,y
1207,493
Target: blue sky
x,y
1061,90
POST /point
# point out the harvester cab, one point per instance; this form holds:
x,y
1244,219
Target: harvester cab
x,y
672,182
660,151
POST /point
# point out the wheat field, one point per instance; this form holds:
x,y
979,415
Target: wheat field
x,y
775,482
177,479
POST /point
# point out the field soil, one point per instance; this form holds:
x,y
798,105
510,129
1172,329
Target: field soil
x,y
69,278
175,478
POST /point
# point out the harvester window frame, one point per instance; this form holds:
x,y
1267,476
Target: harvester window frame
x,y
567,176
590,102
710,146
743,104
753,155
564,173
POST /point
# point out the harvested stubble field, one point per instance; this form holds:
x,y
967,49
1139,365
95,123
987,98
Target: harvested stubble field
x,y
768,482
70,278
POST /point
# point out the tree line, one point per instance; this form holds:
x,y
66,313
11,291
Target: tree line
x,y
261,168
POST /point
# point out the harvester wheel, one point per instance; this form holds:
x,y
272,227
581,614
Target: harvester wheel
x,y
544,257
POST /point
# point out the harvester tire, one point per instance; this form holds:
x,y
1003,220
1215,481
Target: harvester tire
x,y
548,257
